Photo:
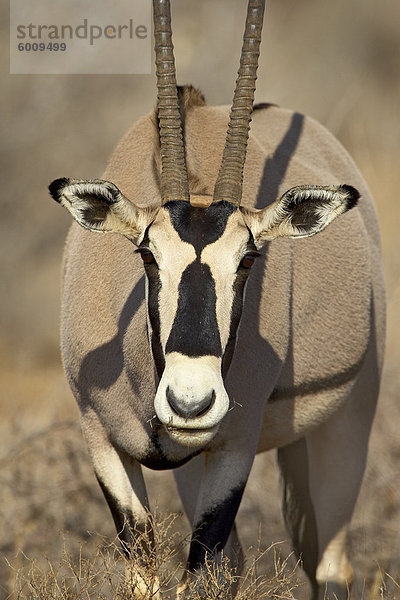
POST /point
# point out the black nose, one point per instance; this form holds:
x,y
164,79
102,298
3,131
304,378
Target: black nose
x,y
192,410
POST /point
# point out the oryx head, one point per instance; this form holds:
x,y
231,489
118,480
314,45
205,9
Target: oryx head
x,y
198,251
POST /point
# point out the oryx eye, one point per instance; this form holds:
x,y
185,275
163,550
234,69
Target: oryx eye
x,y
147,256
247,261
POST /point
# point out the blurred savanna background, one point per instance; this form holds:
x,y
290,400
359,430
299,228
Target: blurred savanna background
x,y
337,61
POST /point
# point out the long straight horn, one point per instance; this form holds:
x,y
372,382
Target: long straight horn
x,y
174,180
230,176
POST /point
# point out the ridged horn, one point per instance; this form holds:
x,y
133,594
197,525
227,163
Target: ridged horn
x,y
230,177
174,180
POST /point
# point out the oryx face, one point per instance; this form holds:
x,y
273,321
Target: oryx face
x,y
197,254
197,261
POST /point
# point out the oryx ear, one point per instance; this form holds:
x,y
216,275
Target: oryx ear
x,y
99,206
301,212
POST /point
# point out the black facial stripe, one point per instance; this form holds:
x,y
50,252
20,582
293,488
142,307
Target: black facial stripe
x,y
195,328
154,286
158,355
199,226
237,307
154,315
236,313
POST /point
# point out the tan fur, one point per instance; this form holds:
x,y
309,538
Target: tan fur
x,y
200,201
310,345
188,97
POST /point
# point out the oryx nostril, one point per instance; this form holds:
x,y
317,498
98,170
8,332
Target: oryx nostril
x,y
190,410
205,405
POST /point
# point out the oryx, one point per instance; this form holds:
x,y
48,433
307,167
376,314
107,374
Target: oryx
x,y
164,375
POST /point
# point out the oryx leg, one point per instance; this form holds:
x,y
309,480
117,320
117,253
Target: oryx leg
x,y
211,490
322,476
188,479
121,480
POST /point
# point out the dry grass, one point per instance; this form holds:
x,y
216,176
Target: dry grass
x,y
102,575
47,485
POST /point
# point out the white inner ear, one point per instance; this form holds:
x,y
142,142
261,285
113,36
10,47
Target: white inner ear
x,y
276,220
326,203
78,199
103,188
119,216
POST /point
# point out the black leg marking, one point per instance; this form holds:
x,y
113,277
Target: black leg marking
x,y
131,533
212,531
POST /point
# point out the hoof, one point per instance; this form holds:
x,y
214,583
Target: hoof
x,y
141,585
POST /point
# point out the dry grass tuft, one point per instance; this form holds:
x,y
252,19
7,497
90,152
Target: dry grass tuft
x,y
108,575
101,576
47,485
217,579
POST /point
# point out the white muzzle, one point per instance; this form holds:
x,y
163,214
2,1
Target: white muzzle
x,y
191,399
